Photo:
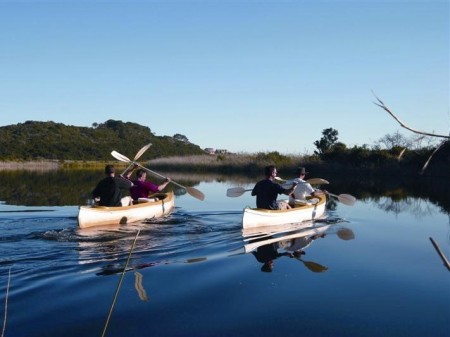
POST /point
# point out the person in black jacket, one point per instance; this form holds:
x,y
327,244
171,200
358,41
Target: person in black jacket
x,y
108,191
267,190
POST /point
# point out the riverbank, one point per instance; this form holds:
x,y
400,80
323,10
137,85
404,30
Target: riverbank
x,y
41,165
48,165
250,165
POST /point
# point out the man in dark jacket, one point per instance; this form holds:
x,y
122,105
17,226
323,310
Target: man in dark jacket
x,y
267,190
108,191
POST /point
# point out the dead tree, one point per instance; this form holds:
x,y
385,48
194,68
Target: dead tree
x,y
446,138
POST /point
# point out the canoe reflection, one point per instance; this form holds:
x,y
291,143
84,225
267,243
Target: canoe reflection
x,y
266,249
271,243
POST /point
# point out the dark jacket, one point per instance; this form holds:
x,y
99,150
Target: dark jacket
x,y
109,190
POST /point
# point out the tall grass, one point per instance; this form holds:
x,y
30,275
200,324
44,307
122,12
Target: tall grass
x,y
230,163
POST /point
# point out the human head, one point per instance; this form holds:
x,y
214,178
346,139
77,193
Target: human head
x,y
301,171
269,170
109,169
267,267
140,173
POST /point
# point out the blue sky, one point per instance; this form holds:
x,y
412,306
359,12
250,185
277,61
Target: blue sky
x,y
246,76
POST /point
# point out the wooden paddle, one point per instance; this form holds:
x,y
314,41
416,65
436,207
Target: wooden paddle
x,y
312,181
234,192
138,155
192,191
346,199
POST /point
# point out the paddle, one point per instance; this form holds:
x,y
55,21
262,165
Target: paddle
x,y
137,156
312,181
234,192
346,199
192,191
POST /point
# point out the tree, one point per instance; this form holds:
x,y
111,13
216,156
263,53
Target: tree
x,y
395,139
181,138
329,138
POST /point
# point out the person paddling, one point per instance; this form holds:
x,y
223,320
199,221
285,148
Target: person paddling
x,y
142,187
108,191
267,190
303,189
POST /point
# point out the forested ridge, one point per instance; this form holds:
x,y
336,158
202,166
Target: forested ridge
x,y
34,140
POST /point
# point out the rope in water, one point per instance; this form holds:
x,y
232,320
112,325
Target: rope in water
x,y
119,284
6,302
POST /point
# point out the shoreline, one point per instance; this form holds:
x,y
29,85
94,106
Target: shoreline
x,y
44,165
48,165
228,167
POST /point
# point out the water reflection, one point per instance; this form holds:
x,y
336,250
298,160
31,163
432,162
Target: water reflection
x,y
291,240
63,187
73,187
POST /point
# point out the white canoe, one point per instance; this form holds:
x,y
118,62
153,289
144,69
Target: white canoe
x,y
257,217
91,216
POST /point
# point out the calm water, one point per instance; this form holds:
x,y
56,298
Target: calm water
x,y
189,275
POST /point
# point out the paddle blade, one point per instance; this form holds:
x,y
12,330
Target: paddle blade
x,y
317,181
141,151
120,157
195,193
345,234
347,199
315,267
234,192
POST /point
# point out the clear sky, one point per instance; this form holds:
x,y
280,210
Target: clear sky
x,y
246,76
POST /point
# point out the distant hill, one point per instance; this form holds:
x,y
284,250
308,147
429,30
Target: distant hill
x,y
34,140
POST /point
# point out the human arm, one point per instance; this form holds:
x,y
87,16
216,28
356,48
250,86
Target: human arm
x,y
123,183
128,172
164,184
290,190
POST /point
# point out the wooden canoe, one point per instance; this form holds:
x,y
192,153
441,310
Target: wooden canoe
x,y
257,217
91,216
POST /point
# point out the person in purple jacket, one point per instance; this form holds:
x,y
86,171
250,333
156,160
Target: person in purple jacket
x,y
142,187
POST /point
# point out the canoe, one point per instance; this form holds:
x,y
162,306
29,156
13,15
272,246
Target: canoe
x,y
159,206
257,217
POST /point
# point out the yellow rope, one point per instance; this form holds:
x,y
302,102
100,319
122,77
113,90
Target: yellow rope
x,y
120,283
6,303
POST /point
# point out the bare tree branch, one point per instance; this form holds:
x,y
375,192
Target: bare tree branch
x,y
383,106
431,156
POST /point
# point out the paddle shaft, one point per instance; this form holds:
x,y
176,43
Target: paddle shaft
x,y
238,191
346,199
137,156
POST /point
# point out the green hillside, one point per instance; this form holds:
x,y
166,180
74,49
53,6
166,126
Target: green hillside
x,y
34,140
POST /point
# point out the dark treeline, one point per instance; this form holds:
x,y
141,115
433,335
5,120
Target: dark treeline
x,y
48,140
356,162
54,141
